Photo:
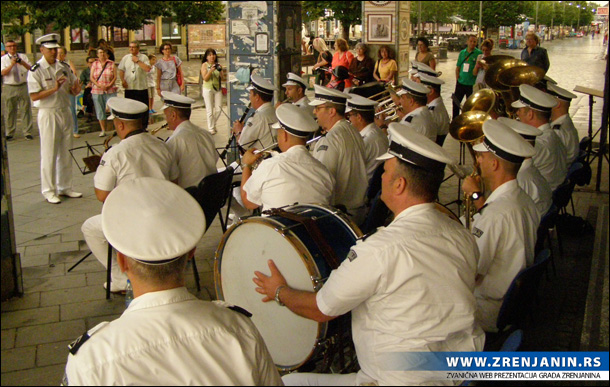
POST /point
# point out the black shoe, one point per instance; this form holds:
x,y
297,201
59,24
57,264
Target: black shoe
x,y
29,137
9,138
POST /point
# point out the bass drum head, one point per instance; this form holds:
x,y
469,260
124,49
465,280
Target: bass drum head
x,y
246,248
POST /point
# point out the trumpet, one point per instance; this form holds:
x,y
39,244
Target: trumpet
x,y
390,108
265,154
389,89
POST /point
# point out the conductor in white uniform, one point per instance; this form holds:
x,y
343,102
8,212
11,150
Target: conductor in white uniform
x,y
505,227
138,155
51,82
192,147
341,151
409,286
293,176
166,336
257,132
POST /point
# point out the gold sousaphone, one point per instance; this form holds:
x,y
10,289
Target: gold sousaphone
x,y
467,128
504,76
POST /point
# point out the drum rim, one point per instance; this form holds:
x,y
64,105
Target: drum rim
x,y
306,258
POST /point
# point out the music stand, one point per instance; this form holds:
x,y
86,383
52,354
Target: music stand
x,y
602,131
89,160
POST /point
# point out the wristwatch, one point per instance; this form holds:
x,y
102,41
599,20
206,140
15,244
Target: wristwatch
x,y
277,295
476,195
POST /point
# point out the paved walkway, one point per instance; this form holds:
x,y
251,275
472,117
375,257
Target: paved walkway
x,y
58,306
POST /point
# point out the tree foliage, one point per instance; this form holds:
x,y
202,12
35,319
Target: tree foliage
x,y
130,15
347,13
433,11
496,13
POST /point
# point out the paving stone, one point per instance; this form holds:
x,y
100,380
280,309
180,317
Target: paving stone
x,y
8,339
28,301
94,321
80,310
40,376
44,240
54,283
52,353
69,296
18,359
45,271
70,257
27,317
49,333
34,260
51,248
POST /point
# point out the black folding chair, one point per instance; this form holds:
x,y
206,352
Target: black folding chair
x,y
212,193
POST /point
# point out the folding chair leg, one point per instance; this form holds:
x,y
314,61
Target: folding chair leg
x,y
573,211
109,272
78,263
196,273
552,256
559,241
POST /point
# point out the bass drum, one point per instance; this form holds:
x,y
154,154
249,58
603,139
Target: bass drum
x,y
247,246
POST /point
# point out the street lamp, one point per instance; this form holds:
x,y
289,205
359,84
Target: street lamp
x,y
578,24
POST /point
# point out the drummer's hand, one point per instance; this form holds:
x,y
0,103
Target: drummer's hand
x,y
249,157
471,184
267,285
237,127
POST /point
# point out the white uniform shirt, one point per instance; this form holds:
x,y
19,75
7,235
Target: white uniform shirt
x,y
375,144
531,181
440,116
421,119
342,152
18,74
44,77
136,78
551,157
172,338
140,155
291,177
410,289
303,103
194,151
258,127
505,231
569,137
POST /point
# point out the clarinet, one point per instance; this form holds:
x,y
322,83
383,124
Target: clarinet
x,y
233,137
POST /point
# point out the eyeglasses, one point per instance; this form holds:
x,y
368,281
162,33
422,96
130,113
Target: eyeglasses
x,y
315,109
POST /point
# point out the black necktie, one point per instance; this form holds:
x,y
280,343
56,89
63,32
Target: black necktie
x,y
431,108
557,126
409,119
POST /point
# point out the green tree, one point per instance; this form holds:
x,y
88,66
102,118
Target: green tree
x,y
196,12
348,14
437,12
496,13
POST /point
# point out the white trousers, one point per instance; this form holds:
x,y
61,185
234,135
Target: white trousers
x,y
213,105
94,236
55,141
311,379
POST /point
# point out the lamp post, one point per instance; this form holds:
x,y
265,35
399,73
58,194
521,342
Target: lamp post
x,y
552,15
578,24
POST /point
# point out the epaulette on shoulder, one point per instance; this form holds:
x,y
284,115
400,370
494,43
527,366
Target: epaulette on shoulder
x,y
35,67
74,346
234,308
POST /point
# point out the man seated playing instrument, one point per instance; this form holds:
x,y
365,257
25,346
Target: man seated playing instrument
x,y
166,336
295,93
409,286
138,155
192,147
257,132
293,176
505,226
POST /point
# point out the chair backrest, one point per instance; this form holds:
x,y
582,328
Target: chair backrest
x,y
562,194
580,173
513,342
212,193
584,143
375,183
521,293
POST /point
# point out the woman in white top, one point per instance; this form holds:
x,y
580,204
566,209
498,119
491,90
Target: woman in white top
x,y
211,89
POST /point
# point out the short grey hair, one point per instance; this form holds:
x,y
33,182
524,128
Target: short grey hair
x,y
168,273
362,46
